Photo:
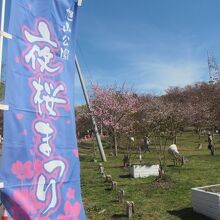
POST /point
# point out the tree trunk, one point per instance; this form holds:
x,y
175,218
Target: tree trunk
x,y
164,152
115,144
175,139
213,131
101,130
199,133
160,142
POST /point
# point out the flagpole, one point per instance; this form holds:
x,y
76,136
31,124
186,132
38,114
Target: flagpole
x,y
2,37
98,139
2,34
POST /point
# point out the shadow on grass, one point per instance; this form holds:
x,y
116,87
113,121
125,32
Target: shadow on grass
x,y
117,216
115,201
115,166
125,176
187,214
83,158
202,157
85,146
171,165
108,189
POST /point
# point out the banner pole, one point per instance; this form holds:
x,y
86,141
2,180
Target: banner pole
x,y
98,139
2,37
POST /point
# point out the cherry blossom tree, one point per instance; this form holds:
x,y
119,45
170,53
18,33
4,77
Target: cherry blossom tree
x,y
119,111
83,121
162,115
114,108
177,110
198,107
205,102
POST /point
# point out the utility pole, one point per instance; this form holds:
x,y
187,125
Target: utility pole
x,y
214,70
80,2
98,139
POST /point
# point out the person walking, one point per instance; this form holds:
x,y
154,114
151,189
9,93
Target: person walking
x,y
210,144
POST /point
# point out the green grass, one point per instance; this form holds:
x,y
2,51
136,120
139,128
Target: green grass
x,y
170,201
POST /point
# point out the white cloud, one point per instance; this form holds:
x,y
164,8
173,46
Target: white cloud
x,y
153,76
151,60
158,76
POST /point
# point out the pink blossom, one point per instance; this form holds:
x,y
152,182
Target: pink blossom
x,y
71,211
76,152
27,200
22,171
44,218
19,116
67,108
32,152
38,166
25,132
68,122
113,108
17,59
70,193
15,210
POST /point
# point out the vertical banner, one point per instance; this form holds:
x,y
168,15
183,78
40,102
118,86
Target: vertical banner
x,y
40,163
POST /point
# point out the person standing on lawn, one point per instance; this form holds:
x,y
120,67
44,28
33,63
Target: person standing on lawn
x,y
211,144
146,144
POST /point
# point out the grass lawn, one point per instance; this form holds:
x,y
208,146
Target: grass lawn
x,y
168,201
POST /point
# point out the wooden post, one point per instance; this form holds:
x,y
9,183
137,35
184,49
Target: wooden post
x,y
121,195
130,208
108,178
101,170
103,175
114,185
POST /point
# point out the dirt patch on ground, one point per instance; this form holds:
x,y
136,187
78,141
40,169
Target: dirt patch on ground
x,y
163,182
214,189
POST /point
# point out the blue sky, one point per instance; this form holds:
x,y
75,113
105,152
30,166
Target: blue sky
x,y
149,44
